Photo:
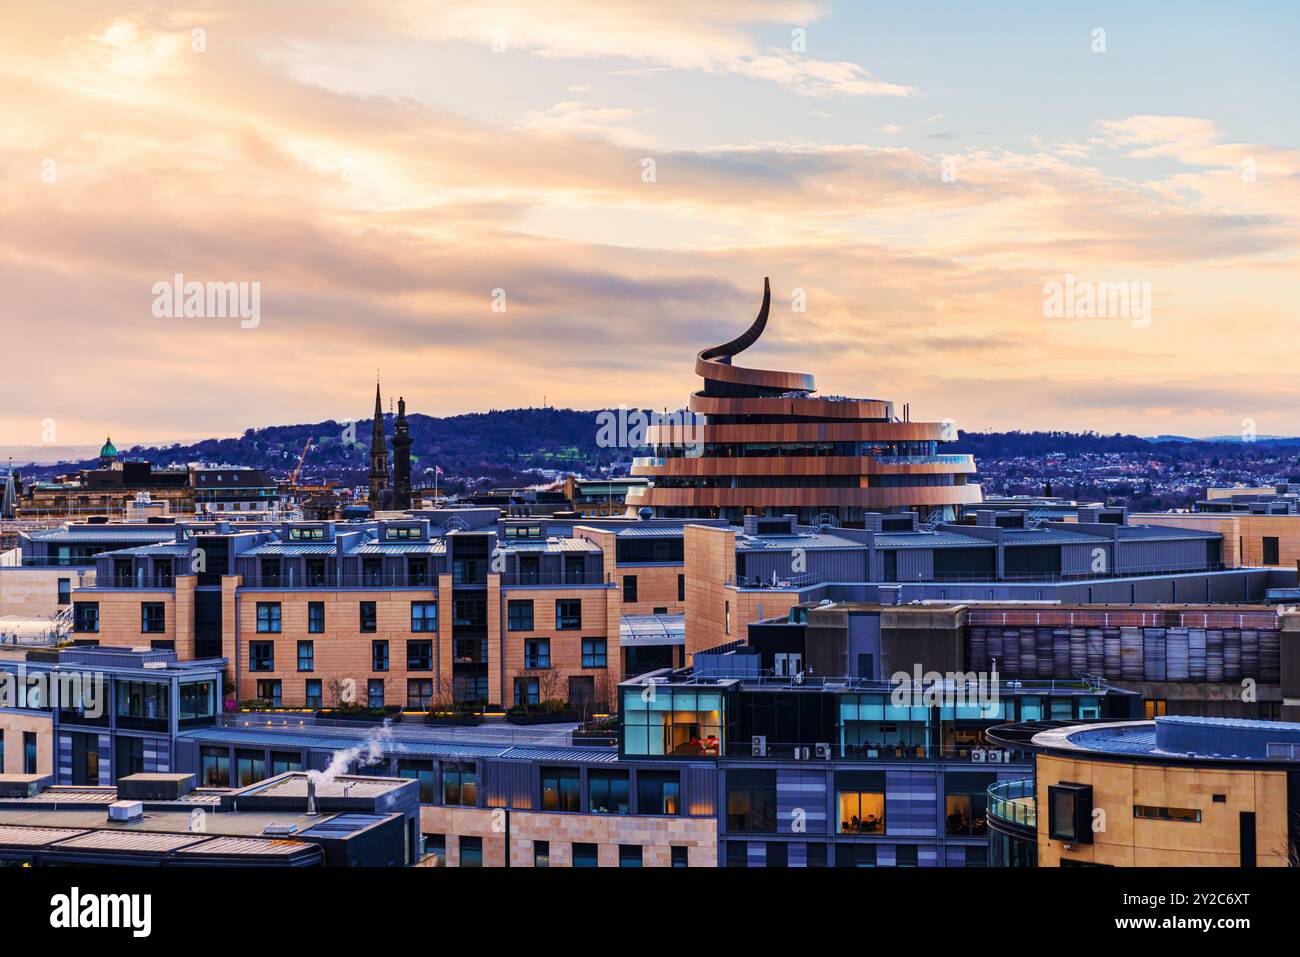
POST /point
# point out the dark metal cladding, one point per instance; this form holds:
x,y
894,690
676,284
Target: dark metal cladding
x,y
724,352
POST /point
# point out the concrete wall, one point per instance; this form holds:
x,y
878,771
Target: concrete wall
x,y
654,835
1130,842
13,723
34,592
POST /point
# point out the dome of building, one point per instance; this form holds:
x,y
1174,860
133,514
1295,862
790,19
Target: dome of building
x,y
109,451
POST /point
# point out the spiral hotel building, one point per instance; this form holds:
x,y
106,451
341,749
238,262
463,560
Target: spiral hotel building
x,y
761,444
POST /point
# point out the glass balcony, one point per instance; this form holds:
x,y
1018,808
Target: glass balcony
x,y
1014,802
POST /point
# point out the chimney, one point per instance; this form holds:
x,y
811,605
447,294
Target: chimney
x,y
311,796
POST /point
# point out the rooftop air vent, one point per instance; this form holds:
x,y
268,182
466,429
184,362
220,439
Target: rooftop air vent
x,y
122,812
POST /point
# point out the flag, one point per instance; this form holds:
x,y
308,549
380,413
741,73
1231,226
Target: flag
x,y
437,470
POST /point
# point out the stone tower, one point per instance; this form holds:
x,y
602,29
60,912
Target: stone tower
x,y
401,459
378,456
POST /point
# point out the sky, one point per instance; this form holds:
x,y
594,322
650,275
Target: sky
x,y
509,203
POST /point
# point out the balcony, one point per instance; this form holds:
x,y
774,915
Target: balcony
x,y
871,753
1015,803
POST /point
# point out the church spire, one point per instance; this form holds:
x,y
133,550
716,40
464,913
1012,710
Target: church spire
x,y
378,455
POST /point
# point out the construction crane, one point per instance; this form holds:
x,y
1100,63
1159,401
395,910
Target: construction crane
x,y
293,477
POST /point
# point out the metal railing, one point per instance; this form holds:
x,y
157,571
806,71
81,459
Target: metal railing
x,y
1014,802
813,752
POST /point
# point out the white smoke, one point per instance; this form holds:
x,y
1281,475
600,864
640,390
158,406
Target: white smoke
x,y
371,751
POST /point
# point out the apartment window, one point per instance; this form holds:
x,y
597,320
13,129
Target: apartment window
x,y
285,761
369,621
608,793
658,792
681,587
379,656
65,591
306,656
966,802
374,692
419,656
214,767
575,570
1247,840
153,617
629,855
268,617
1155,707
85,616
163,573
459,784
250,767
537,653
261,656
1146,812
315,569
593,652
584,855
424,616
316,617
1271,551
568,614
315,698
726,617
751,801
528,691
862,812
778,854
629,588
421,771
519,615
417,571
561,789
541,853
144,705
270,577
1069,813
679,856
816,855
737,854
29,752
268,690
419,693
906,855
435,845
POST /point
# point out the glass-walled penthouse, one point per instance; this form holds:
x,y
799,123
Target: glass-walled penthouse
x,y
679,714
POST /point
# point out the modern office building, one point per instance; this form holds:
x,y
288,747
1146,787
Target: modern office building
x,y
735,577
758,442
88,716
1172,792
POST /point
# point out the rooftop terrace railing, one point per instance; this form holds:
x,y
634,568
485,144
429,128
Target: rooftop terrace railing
x,y
881,751
1081,684
1014,802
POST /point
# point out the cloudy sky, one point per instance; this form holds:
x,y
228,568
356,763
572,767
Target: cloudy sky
x,y
628,171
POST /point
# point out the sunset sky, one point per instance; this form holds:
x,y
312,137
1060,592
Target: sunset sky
x,y
381,167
